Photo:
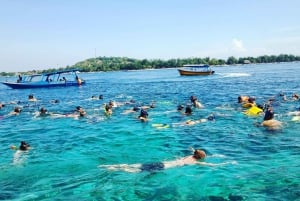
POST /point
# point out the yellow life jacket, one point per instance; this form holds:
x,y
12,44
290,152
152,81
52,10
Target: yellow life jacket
x,y
253,111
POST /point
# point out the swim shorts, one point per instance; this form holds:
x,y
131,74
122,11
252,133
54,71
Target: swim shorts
x,y
150,167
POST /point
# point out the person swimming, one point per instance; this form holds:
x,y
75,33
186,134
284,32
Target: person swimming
x,y
269,121
43,112
133,110
108,109
24,146
143,115
188,110
195,102
195,159
193,122
16,111
243,99
31,98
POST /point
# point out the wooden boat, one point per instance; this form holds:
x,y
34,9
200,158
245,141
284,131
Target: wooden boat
x,y
195,69
46,80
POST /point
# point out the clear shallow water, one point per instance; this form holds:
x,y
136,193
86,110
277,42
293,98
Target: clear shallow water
x,y
66,152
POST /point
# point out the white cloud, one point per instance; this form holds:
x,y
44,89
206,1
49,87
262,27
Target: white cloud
x,y
237,45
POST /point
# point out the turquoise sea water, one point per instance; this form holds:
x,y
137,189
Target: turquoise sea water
x,y
62,164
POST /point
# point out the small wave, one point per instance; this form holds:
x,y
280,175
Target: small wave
x,y
236,74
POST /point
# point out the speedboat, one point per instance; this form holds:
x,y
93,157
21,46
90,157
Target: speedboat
x,y
195,69
55,79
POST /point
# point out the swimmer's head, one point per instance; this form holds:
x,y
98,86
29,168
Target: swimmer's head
x,y
144,113
82,113
180,107
199,154
17,110
136,108
211,117
193,98
43,110
188,110
24,146
30,96
251,100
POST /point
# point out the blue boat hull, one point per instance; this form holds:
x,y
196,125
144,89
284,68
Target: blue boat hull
x,y
30,85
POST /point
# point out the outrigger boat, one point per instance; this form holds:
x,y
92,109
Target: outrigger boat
x,y
54,79
196,69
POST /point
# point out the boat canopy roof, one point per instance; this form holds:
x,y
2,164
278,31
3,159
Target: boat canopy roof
x,y
60,72
196,65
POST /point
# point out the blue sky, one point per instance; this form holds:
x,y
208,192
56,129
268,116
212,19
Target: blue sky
x,y
42,34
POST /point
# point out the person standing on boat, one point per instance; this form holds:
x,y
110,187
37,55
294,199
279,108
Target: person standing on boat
x,y
20,78
78,80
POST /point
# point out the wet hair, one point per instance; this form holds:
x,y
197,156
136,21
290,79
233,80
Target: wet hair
x,y
199,154
82,113
136,108
188,110
143,113
17,109
24,146
107,107
78,108
193,98
180,107
43,110
211,117
251,100
30,96
269,114
100,96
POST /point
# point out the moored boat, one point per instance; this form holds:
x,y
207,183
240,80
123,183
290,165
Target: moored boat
x,y
46,80
196,69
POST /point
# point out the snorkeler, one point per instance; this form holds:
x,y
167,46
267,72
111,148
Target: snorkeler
x,y
133,110
143,115
195,102
108,109
269,120
31,98
24,146
16,111
195,159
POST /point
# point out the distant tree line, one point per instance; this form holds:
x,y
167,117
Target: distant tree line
x,y
124,63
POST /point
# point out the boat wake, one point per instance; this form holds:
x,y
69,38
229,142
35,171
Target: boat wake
x,y
235,74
